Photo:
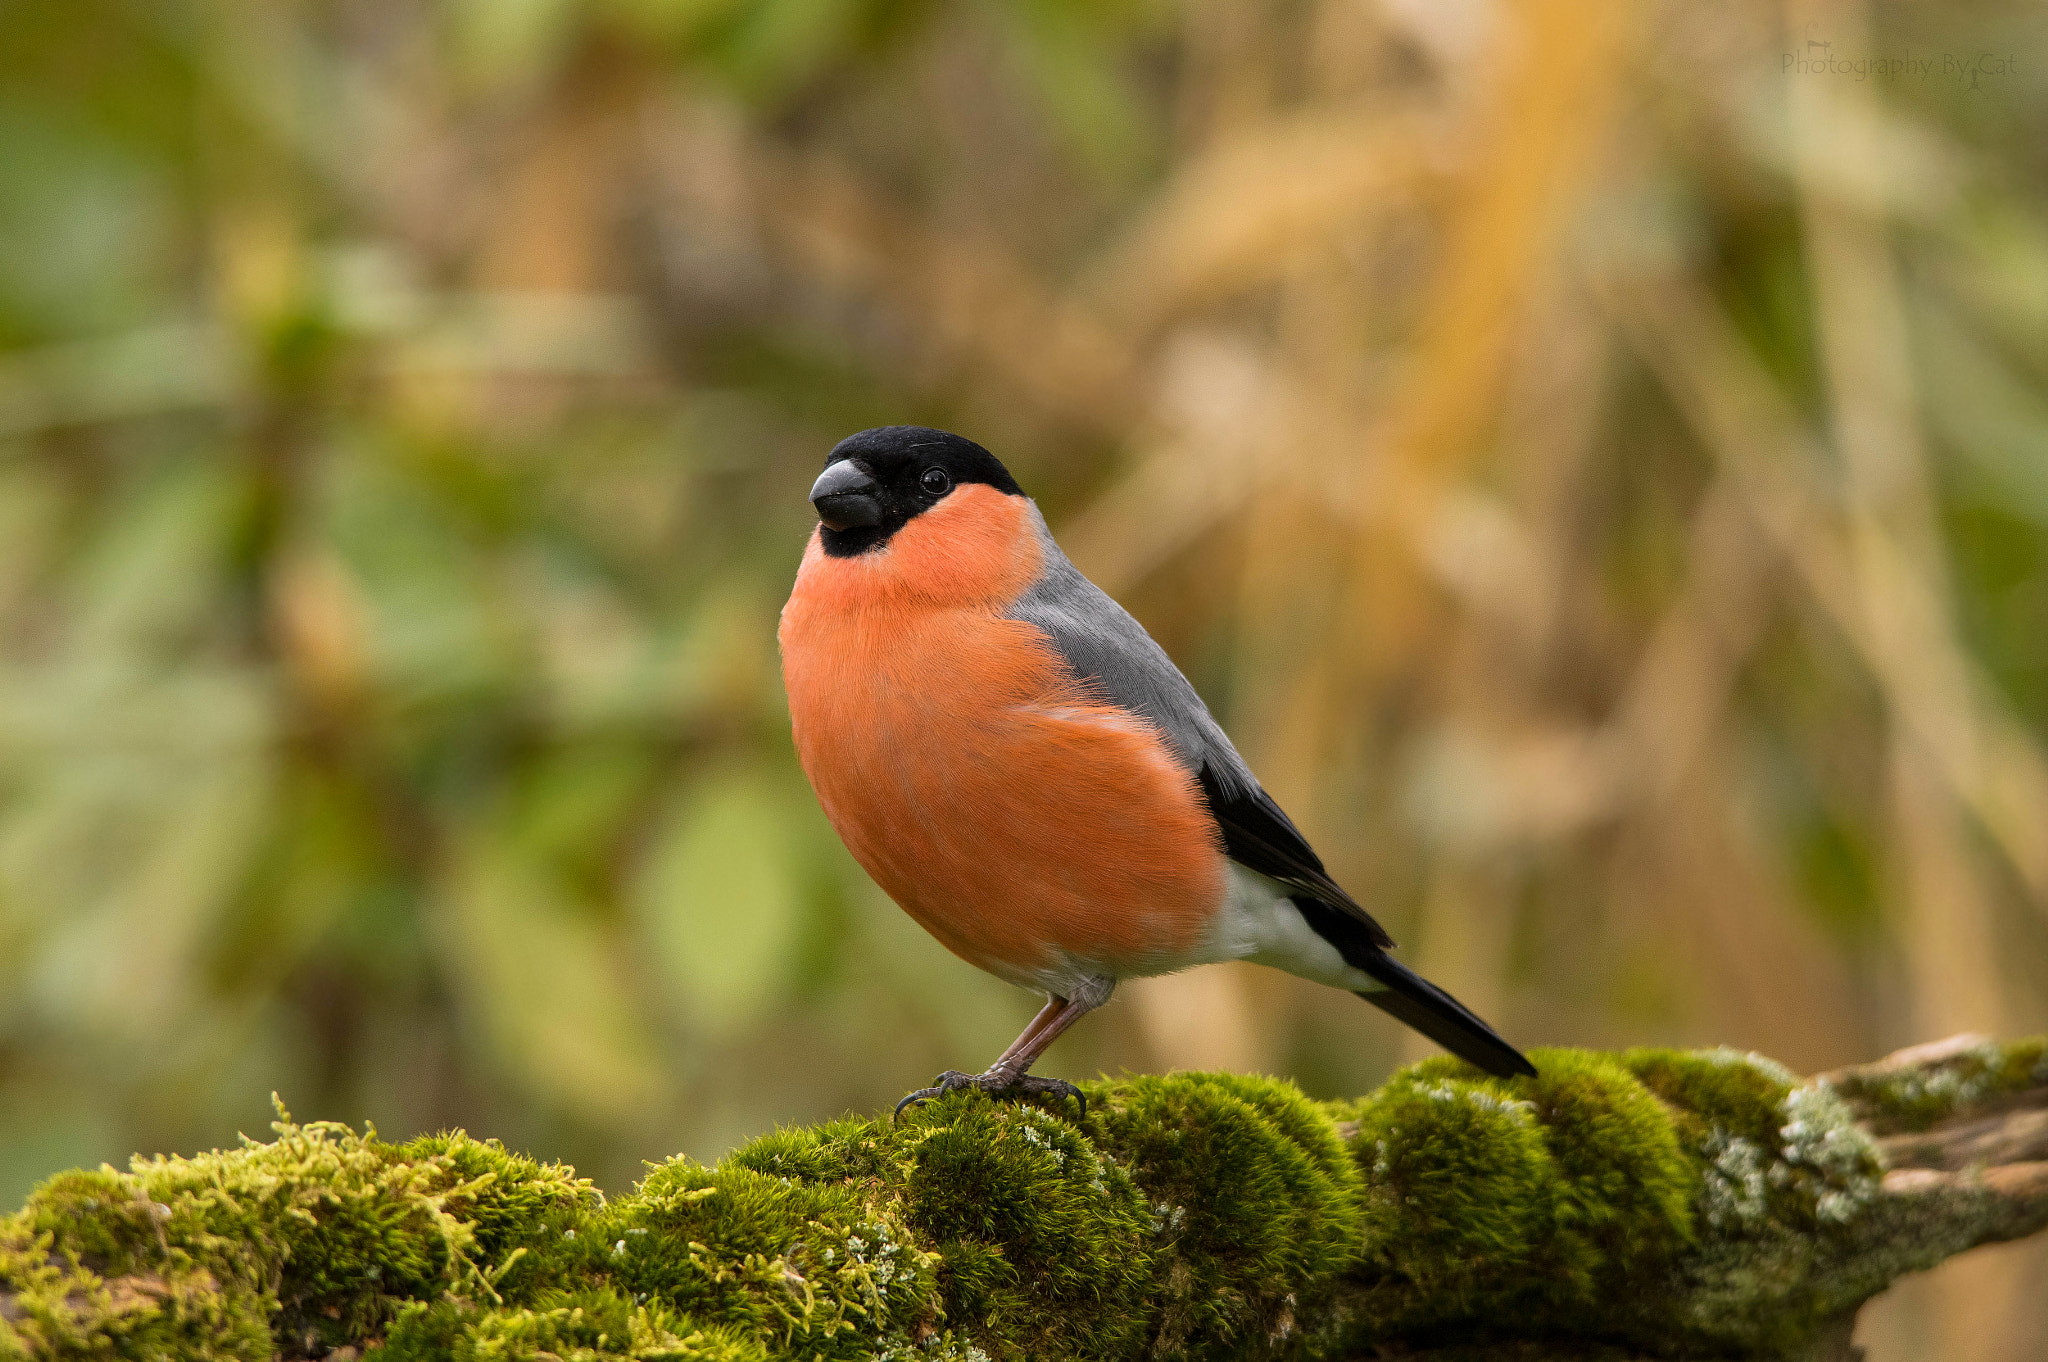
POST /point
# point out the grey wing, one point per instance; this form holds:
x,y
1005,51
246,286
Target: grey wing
x,y
1108,649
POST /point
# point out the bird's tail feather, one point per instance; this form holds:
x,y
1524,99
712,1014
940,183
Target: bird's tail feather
x,y
1414,1000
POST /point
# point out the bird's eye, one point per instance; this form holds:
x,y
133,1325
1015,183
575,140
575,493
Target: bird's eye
x,y
935,482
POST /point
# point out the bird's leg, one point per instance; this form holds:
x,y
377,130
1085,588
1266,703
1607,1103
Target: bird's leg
x,y
1055,1015
1009,1076
1053,1008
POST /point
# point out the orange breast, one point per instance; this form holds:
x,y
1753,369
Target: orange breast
x,y
1027,826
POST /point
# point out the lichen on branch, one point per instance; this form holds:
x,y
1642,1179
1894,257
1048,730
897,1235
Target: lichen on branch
x,y
1652,1202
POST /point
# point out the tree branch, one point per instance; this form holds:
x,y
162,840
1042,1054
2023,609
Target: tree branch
x,y
1648,1204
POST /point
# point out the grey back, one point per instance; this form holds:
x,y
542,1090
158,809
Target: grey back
x,y
1106,647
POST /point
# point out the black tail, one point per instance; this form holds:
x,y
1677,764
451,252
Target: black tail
x,y
1436,1014
1411,998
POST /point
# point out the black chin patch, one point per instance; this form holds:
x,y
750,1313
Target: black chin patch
x,y
914,468
852,543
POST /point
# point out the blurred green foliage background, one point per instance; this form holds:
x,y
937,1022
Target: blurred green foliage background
x,y
1594,459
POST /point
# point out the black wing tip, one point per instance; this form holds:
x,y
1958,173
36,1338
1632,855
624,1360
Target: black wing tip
x,y
1481,1048
1522,1068
1326,893
1258,835
1416,1002
1379,935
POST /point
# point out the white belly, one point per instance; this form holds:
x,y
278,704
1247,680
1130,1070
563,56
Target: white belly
x,y
1258,922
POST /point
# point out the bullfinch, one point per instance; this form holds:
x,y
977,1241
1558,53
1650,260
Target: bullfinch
x,y
1022,768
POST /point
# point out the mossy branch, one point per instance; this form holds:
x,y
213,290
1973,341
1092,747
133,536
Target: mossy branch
x,y
1651,1203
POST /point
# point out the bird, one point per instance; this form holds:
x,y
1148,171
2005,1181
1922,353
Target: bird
x,y
1023,769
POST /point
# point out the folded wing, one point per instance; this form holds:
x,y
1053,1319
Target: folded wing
x,y
1111,652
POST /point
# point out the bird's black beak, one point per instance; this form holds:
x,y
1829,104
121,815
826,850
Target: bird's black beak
x,y
845,495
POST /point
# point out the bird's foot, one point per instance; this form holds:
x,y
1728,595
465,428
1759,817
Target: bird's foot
x,y
952,1080
999,1085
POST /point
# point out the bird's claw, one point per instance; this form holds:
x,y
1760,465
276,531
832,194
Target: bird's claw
x,y
999,1086
952,1080
1029,1085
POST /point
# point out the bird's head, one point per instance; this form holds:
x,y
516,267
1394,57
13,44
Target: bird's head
x,y
878,481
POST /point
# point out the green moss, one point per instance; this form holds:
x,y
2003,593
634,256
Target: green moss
x,y
814,1266
72,1288
1043,1238
1461,1189
1917,1098
1687,1201
1736,1092
1234,1267
313,1240
1774,1154
590,1326
1579,1169
857,1150
1627,1186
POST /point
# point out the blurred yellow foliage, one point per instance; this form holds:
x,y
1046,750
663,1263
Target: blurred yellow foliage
x,y
1595,460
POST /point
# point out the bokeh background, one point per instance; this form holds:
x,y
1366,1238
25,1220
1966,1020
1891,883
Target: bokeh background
x,y
1594,459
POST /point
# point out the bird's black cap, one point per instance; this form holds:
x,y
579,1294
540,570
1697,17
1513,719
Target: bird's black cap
x,y
876,482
